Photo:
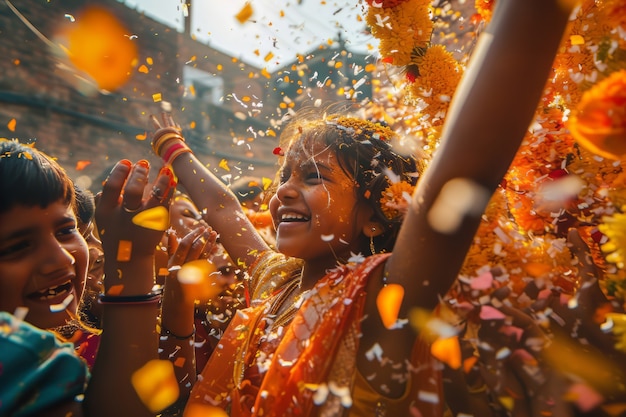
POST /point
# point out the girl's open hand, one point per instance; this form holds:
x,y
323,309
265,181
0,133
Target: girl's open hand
x,y
130,225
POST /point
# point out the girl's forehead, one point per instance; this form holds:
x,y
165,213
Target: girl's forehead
x,y
308,152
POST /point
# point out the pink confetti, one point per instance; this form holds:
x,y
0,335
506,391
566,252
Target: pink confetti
x,y
490,313
482,282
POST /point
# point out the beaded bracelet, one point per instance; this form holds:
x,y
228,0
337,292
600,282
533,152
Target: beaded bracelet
x,y
151,297
167,333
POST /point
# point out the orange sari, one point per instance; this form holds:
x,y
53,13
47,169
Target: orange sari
x,y
308,366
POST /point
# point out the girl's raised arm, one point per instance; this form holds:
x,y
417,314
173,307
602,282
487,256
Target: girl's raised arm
x,y
219,207
488,118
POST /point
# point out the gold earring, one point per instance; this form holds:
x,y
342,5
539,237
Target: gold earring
x,y
372,247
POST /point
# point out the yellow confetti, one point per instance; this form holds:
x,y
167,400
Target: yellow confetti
x,y
156,97
155,218
156,384
577,40
269,56
265,73
143,69
11,125
149,60
388,302
224,165
266,183
244,14
124,250
192,124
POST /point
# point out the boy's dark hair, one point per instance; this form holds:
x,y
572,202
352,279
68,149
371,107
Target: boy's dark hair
x,y
31,178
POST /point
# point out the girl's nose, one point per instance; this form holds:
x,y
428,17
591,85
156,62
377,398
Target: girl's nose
x,y
287,190
57,258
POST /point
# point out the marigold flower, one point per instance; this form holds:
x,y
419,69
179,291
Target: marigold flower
x,y
439,76
614,227
401,29
395,199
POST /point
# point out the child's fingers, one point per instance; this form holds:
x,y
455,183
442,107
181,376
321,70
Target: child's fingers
x,y
112,188
134,187
163,188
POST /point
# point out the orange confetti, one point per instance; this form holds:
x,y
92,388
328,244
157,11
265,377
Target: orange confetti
x,y
388,302
268,57
202,410
244,14
200,280
180,362
115,289
143,69
448,351
80,165
156,384
124,250
141,136
11,125
155,218
149,60
97,45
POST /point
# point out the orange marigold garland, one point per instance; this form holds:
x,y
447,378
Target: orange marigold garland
x,y
439,75
403,30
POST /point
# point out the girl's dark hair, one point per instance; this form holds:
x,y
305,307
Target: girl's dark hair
x,y
31,178
364,151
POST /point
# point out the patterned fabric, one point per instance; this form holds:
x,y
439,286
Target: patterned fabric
x,y
36,370
265,366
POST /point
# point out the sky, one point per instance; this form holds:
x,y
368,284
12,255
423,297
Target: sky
x,y
282,28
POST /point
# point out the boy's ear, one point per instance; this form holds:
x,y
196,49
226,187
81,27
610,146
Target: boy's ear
x,y
372,228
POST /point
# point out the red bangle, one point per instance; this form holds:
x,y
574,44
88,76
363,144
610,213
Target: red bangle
x,y
167,155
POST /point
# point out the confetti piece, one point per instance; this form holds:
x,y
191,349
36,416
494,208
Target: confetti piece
x,y
156,384
458,198
577,40
507,402
244,14
266,183
80,165
141,136
278,151
98,46
155,218
143,69
268,57
224,165
490,313
115,289
55,308
200,280
124,250
388,302
482,282
156,97
448,351
201,410
428,397
328,238
11,125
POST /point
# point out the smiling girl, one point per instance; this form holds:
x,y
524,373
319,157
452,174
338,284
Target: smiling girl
x,y
350,231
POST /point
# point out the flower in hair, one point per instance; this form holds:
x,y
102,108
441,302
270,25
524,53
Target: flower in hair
x,y
358,127
395,199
